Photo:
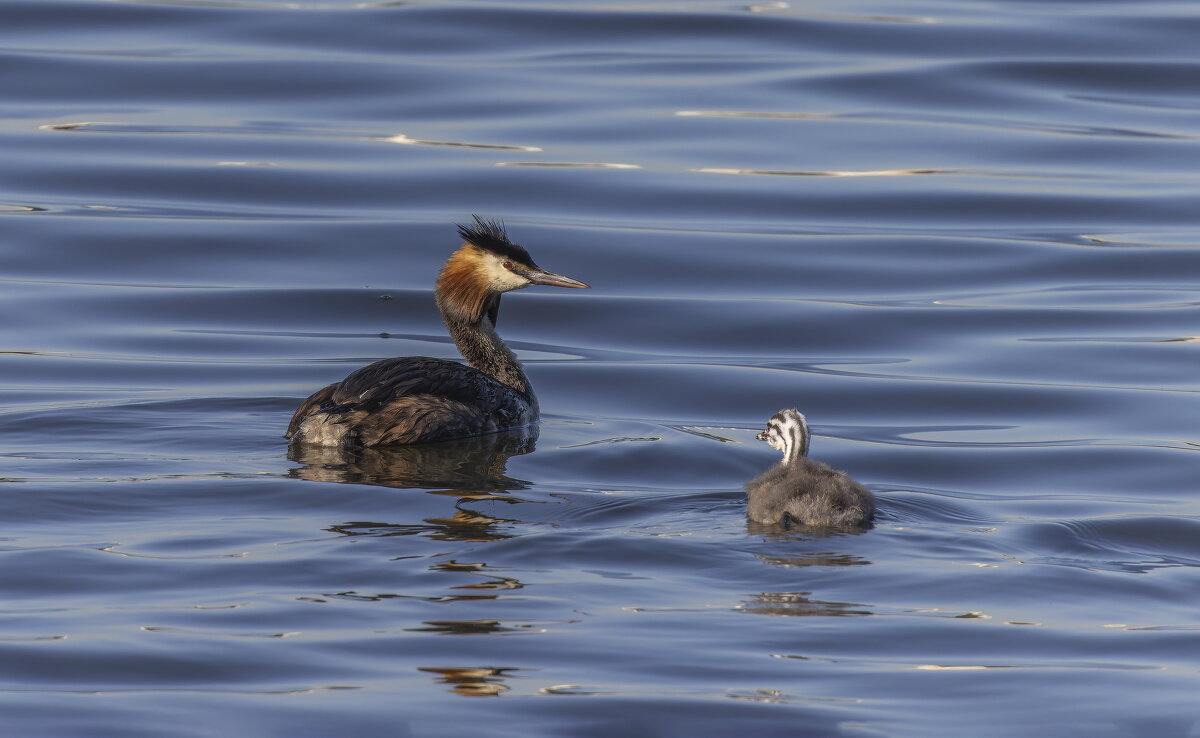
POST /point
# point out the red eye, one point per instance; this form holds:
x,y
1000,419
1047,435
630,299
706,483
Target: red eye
x,y
507,265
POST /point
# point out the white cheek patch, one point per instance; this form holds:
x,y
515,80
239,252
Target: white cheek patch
x,y
775,439
514,281
501,279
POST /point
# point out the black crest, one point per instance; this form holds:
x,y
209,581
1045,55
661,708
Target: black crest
x,y
490,235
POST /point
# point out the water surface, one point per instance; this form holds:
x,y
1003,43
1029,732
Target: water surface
x,y
960,236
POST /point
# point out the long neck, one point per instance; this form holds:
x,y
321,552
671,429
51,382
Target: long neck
x,y
481,346
792,454
795,440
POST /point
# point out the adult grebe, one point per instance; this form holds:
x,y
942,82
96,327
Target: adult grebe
x,y
418,399
801,490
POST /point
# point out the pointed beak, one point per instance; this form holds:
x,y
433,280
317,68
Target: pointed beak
x,y
541,276
762,435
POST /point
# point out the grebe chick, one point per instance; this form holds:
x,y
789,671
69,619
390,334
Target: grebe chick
x,y
801,490
418,399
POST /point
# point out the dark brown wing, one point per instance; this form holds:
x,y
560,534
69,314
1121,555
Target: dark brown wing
x,y
416,399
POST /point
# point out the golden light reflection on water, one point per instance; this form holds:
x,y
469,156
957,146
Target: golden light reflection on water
x,y
494,581
466,525
471,681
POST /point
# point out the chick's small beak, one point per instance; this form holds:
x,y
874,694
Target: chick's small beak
x,y
762,435
541,276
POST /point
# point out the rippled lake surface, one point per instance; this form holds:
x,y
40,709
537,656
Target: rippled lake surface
x,y
961,236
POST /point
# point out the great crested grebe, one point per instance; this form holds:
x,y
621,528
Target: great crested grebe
x,y
801,490
418,399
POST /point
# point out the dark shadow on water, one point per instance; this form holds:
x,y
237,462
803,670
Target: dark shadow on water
x,y
790,529
477,463
816,558
465,627
463,525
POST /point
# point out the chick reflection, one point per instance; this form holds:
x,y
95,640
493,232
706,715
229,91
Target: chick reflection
x,y
471,682
797,603
478,463
813,559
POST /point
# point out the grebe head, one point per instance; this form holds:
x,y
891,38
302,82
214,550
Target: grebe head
x,y
485,266
787,432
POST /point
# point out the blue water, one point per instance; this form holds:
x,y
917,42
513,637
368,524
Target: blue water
x,y
960,236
